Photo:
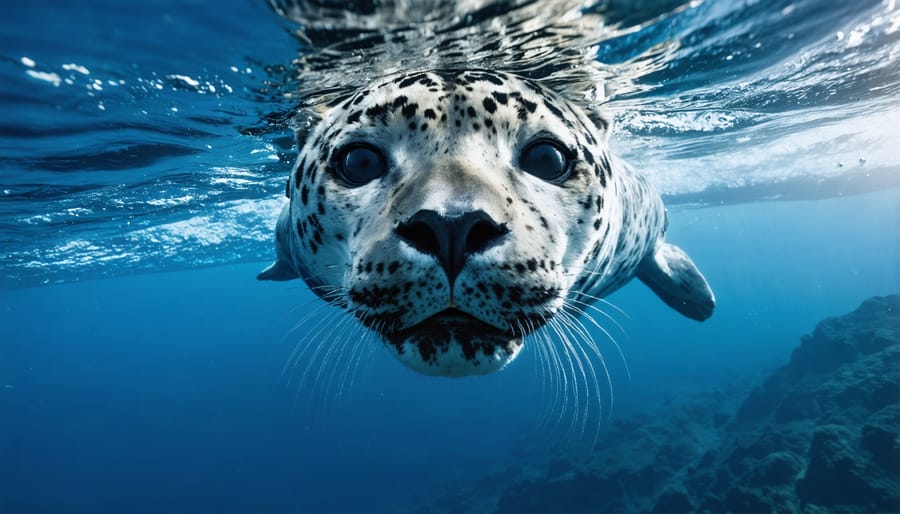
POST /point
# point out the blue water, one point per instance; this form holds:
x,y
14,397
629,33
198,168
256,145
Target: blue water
x,y
143,149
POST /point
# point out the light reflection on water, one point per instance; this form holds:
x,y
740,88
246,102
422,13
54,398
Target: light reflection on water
x,y
174,152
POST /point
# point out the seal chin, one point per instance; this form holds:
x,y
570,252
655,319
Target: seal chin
x,y
452,343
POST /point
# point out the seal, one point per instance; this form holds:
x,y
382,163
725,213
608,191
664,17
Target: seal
x,y
456,211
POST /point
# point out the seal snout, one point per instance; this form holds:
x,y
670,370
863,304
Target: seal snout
x,y
451,239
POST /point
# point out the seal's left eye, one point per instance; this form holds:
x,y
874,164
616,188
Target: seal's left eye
x,y
546,160
360,164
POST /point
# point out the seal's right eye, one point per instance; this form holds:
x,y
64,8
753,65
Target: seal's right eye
x,y
545,159
359,164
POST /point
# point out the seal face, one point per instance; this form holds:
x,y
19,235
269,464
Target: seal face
x,y
454,212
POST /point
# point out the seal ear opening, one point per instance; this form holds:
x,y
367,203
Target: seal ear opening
x,y
671,274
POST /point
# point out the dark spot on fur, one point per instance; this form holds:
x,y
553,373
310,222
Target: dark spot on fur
x,y
588,156
409,110
376,111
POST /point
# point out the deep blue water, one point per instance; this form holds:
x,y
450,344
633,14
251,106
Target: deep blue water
x,y
141,363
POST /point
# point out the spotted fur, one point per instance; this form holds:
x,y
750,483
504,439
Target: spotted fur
x,y
453,139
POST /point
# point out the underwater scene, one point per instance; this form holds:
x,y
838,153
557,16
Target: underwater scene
x,y
144,154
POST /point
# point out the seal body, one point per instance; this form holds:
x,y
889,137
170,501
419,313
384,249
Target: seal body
x,y
456,211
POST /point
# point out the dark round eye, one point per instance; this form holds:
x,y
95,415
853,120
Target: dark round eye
x,y
545,159
361,164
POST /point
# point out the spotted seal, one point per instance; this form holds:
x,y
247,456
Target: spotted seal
x,y
456,211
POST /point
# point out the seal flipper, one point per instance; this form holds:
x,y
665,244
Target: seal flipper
x,y
278,271
282,269
671,274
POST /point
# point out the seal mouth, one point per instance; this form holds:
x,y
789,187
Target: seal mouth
x,y
454,343
461,324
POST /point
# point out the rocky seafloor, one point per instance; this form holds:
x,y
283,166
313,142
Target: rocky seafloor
x,y
820,435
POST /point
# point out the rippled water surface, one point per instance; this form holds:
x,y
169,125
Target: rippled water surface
x,y
146,137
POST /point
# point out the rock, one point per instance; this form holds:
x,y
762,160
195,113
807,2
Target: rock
x,y
881,437
559,467
874,328
583,493
741,500
674,501
835,473
776,469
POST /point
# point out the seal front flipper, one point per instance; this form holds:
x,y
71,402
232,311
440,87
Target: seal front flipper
x,y
278,271
282,269
672,275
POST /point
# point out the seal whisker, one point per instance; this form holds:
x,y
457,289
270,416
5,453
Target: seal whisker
x,y
363,355
600,358
336,360
303,306
577,333
311,342
303,344
580,332
544,361
309,315
604,301
362,347
358,347
583,307
571,359
607,334
335,345
333,348
557,378
539,360
317,343
564,385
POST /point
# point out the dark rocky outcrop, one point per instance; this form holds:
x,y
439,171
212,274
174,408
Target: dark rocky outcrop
x,y
820,435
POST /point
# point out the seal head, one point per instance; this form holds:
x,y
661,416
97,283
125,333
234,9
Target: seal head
x,y
455,212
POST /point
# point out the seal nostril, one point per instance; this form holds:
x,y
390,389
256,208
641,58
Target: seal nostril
x,y
482,234
420,236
